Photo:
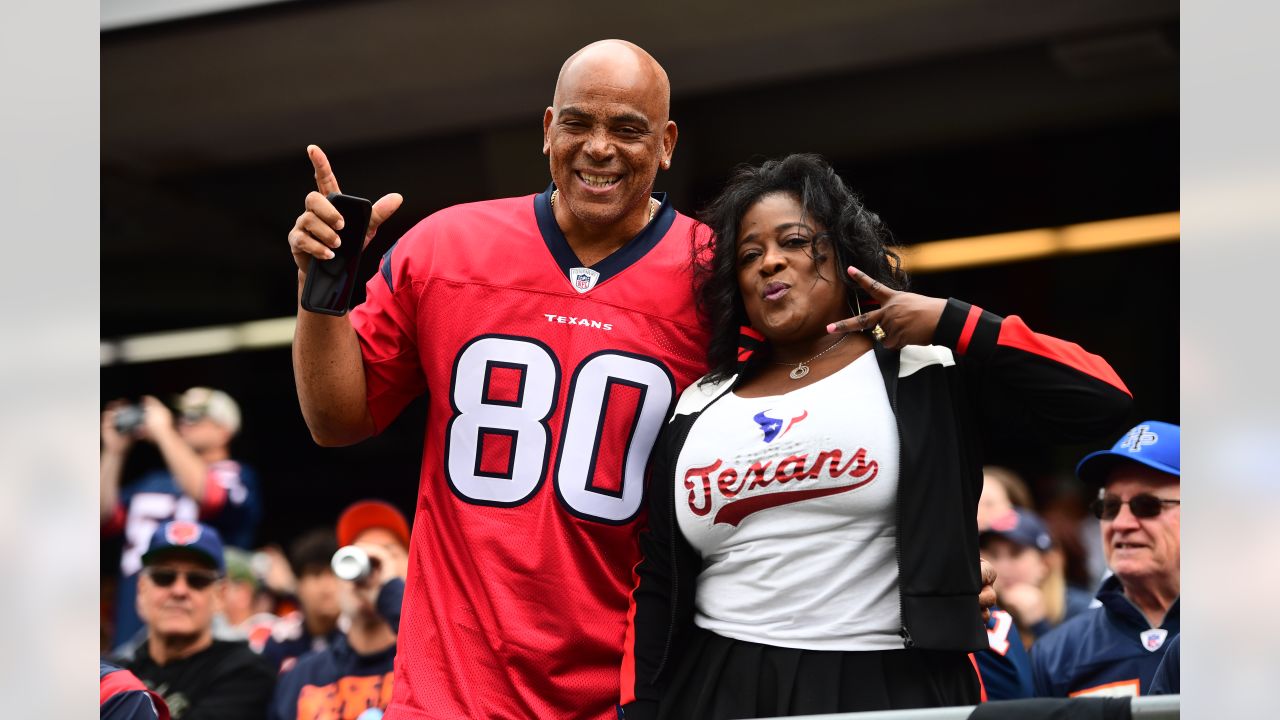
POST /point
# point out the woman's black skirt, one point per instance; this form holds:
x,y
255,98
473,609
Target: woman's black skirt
x,y
720,679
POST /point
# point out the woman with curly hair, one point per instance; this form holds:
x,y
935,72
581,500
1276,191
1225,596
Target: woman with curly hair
x,y
812,545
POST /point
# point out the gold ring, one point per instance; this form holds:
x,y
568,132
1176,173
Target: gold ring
x,y
878,332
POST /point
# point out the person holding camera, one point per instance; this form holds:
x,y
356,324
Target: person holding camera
x,y
200,482
354,673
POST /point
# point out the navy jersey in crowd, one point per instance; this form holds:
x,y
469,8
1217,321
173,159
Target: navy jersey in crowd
x,y
1005,668
1110,650
338,683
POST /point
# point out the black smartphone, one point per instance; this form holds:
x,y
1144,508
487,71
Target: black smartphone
x,y
330,282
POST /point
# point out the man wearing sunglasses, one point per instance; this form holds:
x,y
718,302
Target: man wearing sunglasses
x,y
199,481
1115,649
199,678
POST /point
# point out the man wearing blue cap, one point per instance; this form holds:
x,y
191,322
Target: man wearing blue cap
x,y
1115,649
199,678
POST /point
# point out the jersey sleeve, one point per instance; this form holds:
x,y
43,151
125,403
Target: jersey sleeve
x,y
114,525
134,705
232,502
387,325
389,601
1004,668
1025,379
224,487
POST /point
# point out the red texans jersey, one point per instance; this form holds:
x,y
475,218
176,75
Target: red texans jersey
x,y
548,383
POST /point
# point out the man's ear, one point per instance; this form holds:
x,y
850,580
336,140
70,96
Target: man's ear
x,y
669,135
220,595
547,116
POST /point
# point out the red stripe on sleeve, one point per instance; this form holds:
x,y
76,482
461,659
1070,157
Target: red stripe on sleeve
x,y
1015,334
115,524
120,681
970,324
982,687
627,675
215,495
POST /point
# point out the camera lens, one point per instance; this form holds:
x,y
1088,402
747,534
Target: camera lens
x,y
351,563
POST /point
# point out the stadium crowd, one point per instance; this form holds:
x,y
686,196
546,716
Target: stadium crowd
x,y
212,626
283,637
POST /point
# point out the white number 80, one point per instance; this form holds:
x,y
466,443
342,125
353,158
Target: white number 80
x,y
523,421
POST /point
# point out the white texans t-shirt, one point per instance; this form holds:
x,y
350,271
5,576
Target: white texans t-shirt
x,y
791,501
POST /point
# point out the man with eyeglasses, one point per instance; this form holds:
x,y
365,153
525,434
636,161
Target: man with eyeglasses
x,y
1115,649
199,482
198,677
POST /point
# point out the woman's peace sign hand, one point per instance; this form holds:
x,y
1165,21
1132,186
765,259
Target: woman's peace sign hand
x,y
905,317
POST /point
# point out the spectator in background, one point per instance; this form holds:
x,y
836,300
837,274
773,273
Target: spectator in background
x,y
315,625
199,678
1002,491
122,696
1115,649
1031,587
1004,667
354,674
200,481
1074,529
241,618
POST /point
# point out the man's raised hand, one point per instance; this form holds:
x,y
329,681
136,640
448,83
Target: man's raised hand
x,y
315,232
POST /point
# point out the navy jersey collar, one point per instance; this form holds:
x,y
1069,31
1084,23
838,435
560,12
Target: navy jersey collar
x,y
619,260
1111,595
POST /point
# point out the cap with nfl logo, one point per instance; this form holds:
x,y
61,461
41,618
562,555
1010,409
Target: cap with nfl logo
x,y
192,537
1151,442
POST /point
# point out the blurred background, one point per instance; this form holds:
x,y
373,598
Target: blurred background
x,y
1037,123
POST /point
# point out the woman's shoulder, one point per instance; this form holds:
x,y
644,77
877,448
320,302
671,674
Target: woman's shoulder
x,y
701,392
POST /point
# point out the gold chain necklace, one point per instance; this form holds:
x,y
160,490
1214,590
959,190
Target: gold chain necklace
x,y
653,205
802,367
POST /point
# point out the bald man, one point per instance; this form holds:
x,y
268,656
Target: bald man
x,y
551,333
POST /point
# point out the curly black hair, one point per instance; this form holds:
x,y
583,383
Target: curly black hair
x,y
856,234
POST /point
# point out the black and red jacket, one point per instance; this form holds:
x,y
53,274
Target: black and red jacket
x,y
982,372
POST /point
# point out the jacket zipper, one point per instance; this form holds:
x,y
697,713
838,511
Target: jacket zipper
x,y
903,632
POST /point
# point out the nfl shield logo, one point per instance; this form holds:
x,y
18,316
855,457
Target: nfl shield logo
x,y
181,532
1153,639
583,278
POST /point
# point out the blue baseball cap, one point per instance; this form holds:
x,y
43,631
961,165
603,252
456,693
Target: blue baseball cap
x,y
192,537
1151,442
1021,527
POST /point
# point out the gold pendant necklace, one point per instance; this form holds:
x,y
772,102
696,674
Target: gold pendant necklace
x,y
653,205
802,367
